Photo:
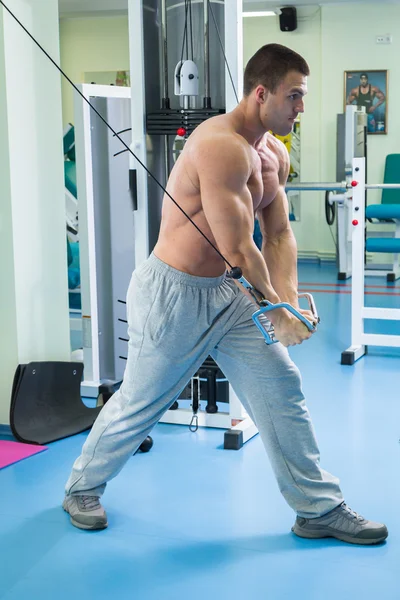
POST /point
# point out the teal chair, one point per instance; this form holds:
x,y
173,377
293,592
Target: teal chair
x,y
386,212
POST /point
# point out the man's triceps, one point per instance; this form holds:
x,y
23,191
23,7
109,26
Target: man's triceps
x,y
228,207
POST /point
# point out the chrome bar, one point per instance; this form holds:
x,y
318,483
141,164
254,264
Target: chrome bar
x,y
317,187
337,187
382,186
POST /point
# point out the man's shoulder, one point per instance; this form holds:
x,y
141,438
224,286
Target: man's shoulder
x,y
218,155
218,142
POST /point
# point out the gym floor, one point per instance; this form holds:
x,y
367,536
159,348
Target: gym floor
x,y
189,519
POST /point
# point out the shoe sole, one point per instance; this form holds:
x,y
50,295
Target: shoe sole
x,y
96,526
314,535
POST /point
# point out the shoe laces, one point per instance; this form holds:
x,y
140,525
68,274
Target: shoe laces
x,y
89,502
351,512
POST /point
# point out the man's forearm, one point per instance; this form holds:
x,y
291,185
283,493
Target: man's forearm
x,y
280,256
255,270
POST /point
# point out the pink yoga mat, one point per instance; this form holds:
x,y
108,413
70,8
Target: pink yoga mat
x,y
12,452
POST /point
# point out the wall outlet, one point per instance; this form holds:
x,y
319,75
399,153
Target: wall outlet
x,y
384,39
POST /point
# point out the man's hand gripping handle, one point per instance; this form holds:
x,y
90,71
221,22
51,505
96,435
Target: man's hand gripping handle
x,y
266,328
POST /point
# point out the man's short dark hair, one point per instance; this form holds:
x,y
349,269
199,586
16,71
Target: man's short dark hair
x,y
270,65
364,75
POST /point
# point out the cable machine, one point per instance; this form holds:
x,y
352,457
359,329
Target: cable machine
x,y
178,86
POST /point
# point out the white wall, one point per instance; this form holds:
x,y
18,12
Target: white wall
x,y
307,41
361,25
8,317
334,39
91,44
34,289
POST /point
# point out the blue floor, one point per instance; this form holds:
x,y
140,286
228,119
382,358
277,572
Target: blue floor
x,y
191,520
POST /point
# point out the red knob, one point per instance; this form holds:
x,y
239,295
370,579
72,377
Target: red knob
x,y
354,183
181,131
354,222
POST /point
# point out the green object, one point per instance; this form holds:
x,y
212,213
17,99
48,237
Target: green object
x,y
70,177
69,253
390,202
390,245
74,272
392,175
69,142
383,212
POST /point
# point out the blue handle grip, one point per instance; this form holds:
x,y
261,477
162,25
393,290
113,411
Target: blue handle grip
x,y
268,333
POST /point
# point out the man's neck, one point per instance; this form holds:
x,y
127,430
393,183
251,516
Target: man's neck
x,y
247,123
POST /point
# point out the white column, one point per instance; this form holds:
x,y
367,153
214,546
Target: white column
x,y
357,220
138,146
34,317
233,52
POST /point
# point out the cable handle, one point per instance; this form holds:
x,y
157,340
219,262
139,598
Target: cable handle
x,y
266,328
311,305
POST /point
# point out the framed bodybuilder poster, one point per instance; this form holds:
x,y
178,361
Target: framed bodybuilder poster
x,y
369,89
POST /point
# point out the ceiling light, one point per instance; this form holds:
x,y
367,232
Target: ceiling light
x,y
262,13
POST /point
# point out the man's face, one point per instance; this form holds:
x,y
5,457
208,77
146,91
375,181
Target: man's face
x,y
363,81
282,108
279,110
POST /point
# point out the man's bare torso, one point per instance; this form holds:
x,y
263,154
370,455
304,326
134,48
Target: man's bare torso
x,y
179,244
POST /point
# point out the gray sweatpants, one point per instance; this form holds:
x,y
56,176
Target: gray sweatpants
x,y
175,321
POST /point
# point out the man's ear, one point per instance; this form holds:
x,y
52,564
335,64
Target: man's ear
x,y
261,94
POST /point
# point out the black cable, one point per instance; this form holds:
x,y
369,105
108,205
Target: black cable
x,y
191,27
124,130
120,152
330,209
330,214
184,33
195,397
223,51
334,241
187,32
116,135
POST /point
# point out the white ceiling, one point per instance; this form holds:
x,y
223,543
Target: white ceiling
x,y
70,8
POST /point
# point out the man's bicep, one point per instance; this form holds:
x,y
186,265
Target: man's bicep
x,y
284,167
274,218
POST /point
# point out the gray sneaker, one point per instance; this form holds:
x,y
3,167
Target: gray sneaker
x,y
86,512
343,524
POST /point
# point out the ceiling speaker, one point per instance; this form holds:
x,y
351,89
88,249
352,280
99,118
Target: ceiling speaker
x,y
288,18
